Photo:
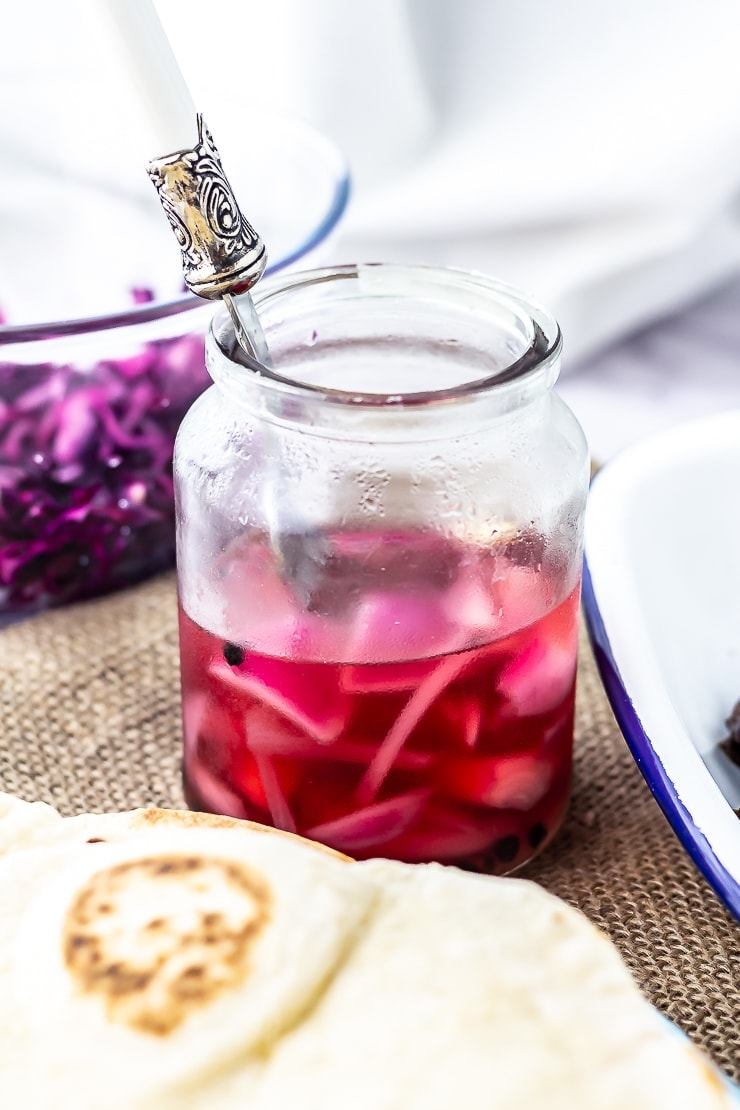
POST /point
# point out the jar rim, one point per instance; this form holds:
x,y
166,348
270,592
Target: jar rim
x,y
539,359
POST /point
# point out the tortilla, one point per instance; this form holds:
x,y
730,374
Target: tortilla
x,y
177,961
485,992
136,966
23,823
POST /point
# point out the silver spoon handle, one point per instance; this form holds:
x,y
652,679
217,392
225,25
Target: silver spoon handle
x,y
221,251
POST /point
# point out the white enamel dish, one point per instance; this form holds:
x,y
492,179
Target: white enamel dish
x,y
662,602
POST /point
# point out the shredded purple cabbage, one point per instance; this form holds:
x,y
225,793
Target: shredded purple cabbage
x,y
86,499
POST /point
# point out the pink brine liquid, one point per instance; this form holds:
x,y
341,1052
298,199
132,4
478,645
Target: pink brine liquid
x,y
407,742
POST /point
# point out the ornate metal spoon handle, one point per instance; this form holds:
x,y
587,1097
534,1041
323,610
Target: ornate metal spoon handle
x,y
221,252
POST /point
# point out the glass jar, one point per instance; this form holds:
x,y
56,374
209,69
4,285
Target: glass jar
x,y
379,560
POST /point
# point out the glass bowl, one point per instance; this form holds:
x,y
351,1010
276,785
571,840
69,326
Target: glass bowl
x,y
90,402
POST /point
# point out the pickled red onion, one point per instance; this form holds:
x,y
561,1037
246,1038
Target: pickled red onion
x,y
417,705
310,700
374,825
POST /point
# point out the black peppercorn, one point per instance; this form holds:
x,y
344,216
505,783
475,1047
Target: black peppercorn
x,y
506,849
233,654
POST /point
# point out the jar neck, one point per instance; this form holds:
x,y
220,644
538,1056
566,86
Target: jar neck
x,y
389,352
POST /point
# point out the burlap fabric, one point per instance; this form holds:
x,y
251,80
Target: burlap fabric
x,y
90,721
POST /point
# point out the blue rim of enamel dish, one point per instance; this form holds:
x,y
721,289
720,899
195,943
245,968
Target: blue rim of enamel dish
x,y
663,788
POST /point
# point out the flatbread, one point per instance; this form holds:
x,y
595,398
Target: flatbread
x,y
121,826
25,823
134,966
178,961
492,993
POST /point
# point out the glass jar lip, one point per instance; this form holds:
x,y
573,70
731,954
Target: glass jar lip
x,y
541,355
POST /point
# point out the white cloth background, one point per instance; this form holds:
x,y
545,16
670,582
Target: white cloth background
x,y
584,150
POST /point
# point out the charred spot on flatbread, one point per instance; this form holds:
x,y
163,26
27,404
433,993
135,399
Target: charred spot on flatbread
x,y
186,819
156,939
183,818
